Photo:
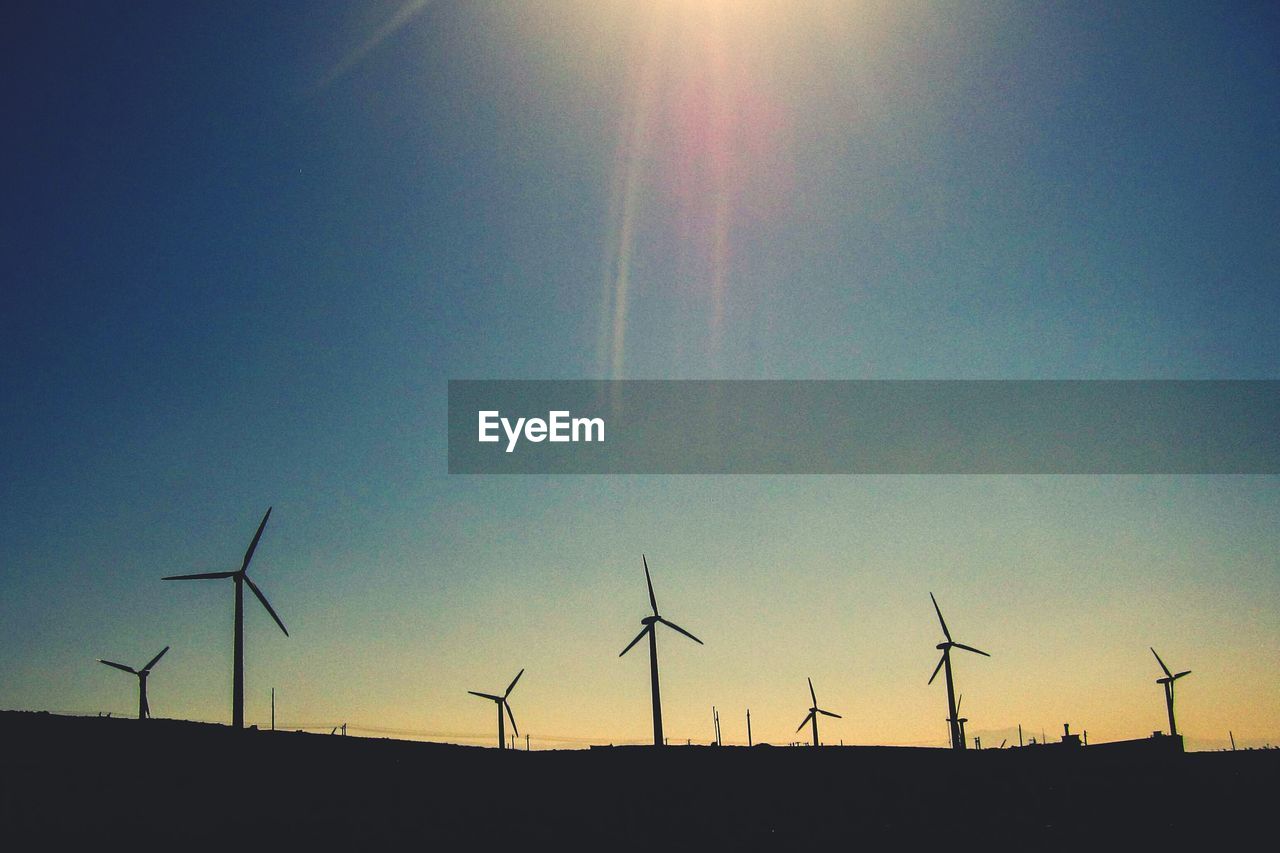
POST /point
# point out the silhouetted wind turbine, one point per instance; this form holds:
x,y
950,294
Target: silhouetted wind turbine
x,y
649,623
503,703
241,578
1167,681
957,739
813,714
962,720
144,710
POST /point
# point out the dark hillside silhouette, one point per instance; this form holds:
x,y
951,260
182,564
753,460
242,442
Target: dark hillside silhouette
x,y
67,780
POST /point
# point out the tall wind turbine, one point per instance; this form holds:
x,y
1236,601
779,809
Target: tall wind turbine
x,y
503,703
144,710
650,628
1167,681
957,739
814,711
241,578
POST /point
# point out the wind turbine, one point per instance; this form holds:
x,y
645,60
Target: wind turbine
x,y
144,710
813,714
957,739
503,703
241,578
962,720
650,623
1167,681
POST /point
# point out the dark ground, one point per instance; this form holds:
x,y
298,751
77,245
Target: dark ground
x,y
98,781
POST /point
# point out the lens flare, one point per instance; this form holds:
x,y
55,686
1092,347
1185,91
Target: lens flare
x,y
700,148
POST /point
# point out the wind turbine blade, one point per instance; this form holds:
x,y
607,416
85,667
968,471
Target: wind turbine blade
x,y
971,649
155,660
941,661
830,714
1162,666
806,721
248,555
512,685
940,619
681,630
511,717
253,586
813,695
127,669
643,631
652,599
959,702
488,696
1180,674
200,577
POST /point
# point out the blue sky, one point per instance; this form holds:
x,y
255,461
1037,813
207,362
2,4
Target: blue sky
x,y
248,244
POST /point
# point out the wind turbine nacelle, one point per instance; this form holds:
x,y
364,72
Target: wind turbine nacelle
x,y
648,620
942,647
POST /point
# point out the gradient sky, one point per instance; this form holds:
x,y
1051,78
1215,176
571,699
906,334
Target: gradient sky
x,y
246,245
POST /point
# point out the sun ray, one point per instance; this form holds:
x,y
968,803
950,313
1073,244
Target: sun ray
x,y
394,24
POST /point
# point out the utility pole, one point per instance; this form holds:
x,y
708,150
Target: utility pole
x,y
1019,734
749,743
526,743
273,709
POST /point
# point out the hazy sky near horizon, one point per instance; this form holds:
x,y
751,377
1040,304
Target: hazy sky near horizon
x,y
247,244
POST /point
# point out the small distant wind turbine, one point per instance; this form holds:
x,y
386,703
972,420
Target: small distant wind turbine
x,y
241,578
503,703
1167,681
650,623
144,710
962,720
957,737
814,711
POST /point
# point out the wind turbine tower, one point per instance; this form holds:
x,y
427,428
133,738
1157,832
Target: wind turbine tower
x,y
953,718
1167,681
503,703
814,711
240,577
650,624
144,710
